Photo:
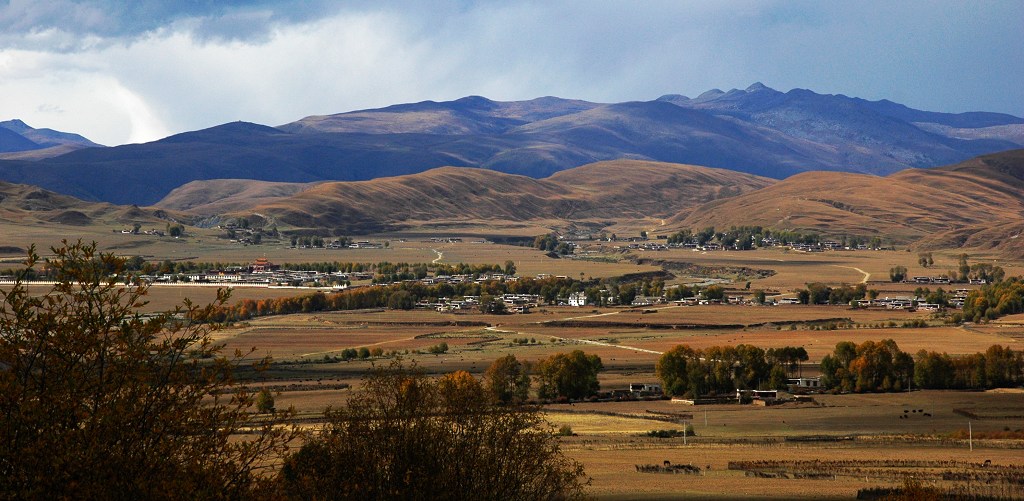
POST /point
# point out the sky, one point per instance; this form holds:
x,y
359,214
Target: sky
x,y
139,70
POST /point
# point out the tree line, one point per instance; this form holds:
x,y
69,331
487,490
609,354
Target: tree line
x,y
871,366
721,370
994,300
964,272
881,366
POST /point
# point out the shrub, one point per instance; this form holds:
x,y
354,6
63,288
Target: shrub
x,y
98,400
407,436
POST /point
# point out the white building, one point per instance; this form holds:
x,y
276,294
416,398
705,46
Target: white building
x,y
578,299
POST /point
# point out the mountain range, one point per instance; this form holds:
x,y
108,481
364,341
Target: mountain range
x,y
758,131
975,204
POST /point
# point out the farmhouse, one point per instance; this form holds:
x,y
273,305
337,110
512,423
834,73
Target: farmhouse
x,y
578,299
804,383
646,301
645,389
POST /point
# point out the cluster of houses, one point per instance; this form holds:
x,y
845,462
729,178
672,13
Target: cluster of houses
x,y
941,280
513,303
645,246
261,273
914,303
153,232
462,279
264,273
795,389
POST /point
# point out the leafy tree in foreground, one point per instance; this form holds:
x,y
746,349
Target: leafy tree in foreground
x,y
98,401
406,436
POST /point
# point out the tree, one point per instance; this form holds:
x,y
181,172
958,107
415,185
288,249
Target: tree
x,y
572,375
963,267
714,292
405,436
175,230
510,267
491,304
265,401
897,273
96,398
759,297
925,259
672,369
401,300
507,380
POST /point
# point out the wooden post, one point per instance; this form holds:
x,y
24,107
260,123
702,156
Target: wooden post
x,y
970,436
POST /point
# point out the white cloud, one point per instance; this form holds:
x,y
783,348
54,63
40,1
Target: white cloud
x,y
135,76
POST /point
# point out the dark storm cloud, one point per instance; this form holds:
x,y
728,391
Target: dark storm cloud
x,y
72,24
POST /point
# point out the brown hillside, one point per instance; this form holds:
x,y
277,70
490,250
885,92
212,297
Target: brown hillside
x,y
639,189
978,203
597,193
28,205
217,196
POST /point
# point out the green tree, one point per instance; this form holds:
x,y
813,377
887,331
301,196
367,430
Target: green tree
x,y
714,292
672,369
777,378
507,380
265,401
492,305
406,436
897,273
925,259
759,297
572,375
97,399
401,300
963,267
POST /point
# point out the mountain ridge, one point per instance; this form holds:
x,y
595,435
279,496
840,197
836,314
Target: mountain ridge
x,y
759,131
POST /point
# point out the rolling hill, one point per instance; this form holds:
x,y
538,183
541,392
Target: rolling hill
x,y
25,205
978,203
597,194
757,130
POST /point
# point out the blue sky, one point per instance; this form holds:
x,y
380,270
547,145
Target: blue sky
x,y
120,72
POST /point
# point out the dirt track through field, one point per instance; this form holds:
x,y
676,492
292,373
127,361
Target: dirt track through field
x,y
601,343
867,275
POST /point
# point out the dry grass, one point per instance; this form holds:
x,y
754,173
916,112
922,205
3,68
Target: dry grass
x,y
610,446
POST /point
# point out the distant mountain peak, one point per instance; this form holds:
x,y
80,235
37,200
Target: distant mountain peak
x,y
709,95
50,141
673,98
756,86
15,125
